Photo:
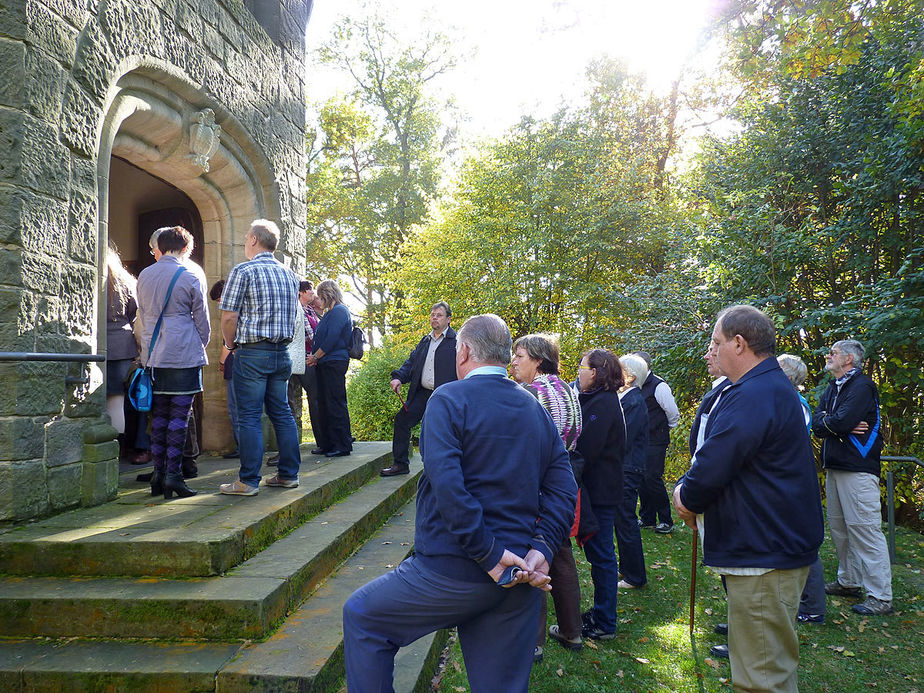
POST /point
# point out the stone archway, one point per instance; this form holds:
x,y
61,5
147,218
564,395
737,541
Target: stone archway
x,y
165,126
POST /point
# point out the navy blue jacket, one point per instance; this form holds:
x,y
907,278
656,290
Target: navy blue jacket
x,y
603,445
444,363
635,412
838,414
333,334
754,478
496,476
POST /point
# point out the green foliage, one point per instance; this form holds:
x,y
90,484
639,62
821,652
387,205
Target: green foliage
x,y
371,401
375,157
552,219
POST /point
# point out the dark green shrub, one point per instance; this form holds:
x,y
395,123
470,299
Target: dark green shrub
x,y
371,401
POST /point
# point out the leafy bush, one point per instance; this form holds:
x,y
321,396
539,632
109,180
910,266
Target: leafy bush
x,y
371,402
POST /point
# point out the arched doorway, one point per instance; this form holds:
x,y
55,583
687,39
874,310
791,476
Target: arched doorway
x,y
164,146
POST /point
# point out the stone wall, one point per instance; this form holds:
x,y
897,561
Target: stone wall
x,y
60,66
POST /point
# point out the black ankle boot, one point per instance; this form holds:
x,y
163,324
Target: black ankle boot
x,y
174,483
157,482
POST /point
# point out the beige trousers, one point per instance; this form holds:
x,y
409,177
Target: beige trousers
x,y
763,646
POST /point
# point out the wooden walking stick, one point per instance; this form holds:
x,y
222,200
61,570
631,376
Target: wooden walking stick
x,y
693,578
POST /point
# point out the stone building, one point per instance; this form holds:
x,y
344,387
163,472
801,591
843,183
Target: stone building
x,y
118,116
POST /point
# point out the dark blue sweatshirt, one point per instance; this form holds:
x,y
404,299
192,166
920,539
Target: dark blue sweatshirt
x,y
333,334
496,476
754,478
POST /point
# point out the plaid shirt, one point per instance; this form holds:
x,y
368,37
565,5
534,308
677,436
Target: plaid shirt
x,y
264,294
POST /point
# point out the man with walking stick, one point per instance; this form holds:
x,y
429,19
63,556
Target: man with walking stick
x,y
762,522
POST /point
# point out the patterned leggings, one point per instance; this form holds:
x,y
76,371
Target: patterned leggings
x,y
169,416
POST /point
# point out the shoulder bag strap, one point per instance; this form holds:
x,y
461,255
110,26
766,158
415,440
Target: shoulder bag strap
x,y
160,318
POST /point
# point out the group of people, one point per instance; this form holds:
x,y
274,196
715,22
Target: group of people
x,y
510,474
514,468
266,314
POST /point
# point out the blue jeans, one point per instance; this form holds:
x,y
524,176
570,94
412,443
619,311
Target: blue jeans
x,y
497,627
628,535
261,373
604,567
232,406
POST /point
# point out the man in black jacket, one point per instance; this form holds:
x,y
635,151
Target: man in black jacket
x,y
847,421
431,364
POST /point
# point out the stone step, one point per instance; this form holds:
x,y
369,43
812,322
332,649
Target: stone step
x,y
306,654
247,602
208,534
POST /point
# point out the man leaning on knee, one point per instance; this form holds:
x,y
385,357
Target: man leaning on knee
x,y
496,492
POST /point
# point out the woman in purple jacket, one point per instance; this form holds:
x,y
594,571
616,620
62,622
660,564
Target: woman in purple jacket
x,y
177,357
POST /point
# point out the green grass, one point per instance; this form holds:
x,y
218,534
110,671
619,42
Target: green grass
x,y
653,650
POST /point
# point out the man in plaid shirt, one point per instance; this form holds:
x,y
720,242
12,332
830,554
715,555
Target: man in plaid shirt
x,y
258,307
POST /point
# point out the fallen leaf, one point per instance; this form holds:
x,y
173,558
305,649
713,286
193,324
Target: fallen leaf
x,y
620,673
642,660
711,662
590,643
848,653
560,672
386,543
644,638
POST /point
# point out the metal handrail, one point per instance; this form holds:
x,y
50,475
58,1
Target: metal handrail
x,y
33,356
890,498
30,356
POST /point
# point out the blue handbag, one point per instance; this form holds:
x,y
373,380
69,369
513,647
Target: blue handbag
x,y
141,385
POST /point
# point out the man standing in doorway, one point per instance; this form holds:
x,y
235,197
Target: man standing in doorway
x,y
497,491
760,504
431,364
663,415
847,421
258,308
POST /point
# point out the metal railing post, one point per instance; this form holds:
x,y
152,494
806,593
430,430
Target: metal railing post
x,y
890,499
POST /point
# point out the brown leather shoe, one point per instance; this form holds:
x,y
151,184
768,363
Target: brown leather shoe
x,y
395,470
143,457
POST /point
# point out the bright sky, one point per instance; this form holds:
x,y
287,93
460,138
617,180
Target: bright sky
x,y
528,56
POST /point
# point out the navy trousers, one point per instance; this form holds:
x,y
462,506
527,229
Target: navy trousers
x,y
628,535
497,627
405,420
655,505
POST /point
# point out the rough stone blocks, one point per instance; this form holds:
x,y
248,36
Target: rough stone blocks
x,y
100,480
23,491
65,487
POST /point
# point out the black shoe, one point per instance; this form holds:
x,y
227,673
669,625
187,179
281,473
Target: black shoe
x,y
145,477
720,629
337,453
587,618
537,655
595,632
318,451
395,470
190,468
663,528
562,640
174,483
233,455
720,651
811,618
839,590
157,481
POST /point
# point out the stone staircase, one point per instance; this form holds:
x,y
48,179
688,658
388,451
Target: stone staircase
x,y
209,593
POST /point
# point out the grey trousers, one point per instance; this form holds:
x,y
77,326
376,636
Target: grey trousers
x,y
855,520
